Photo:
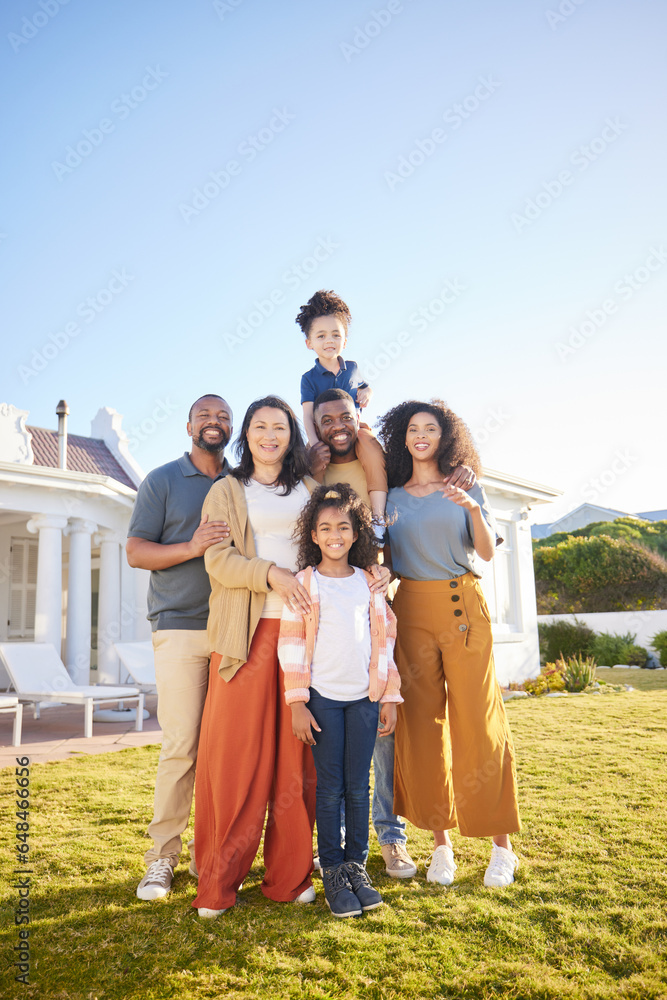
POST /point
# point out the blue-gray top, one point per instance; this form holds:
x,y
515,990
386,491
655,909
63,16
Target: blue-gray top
x,y
431,538
168,510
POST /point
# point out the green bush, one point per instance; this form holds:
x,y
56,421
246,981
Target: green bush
x,y
598,574
651,534
563,639
579,673
659,643
611,649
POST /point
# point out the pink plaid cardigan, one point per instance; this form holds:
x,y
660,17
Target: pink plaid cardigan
x,y
297,643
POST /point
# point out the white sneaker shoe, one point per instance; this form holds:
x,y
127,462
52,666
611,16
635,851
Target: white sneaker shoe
x,y
442,866
207,914
307,896
157,880
501,868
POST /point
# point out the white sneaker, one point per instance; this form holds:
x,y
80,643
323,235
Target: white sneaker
x,y
307,896
207,914
157,880
442,866
501,868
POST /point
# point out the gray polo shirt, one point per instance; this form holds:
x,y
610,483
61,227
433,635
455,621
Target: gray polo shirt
x,y
431,536
168,510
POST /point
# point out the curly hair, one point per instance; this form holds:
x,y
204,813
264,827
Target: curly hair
x,y
456,444
341,497
323,303
295,464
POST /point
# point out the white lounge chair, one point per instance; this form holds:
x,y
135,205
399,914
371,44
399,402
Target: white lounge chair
x,y
38,675
137,659
9,705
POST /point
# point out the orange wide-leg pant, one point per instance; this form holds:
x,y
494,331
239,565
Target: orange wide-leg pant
x,y
454,755
250,762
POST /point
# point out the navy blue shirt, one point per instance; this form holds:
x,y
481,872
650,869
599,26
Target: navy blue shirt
x,y
319,379
168,510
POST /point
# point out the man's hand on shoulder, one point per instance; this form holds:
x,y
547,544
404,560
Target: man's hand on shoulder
x,y
319,457
461,476
208,533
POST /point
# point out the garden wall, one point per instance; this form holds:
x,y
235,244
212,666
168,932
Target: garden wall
x,y
643,623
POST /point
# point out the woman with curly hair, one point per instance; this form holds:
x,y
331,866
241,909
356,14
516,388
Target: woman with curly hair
x,y
337,661
454,754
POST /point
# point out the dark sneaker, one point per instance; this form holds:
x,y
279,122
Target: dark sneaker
x,y
338,893
362,887
157,880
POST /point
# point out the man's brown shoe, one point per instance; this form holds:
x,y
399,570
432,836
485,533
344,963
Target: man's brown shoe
x,y
398,861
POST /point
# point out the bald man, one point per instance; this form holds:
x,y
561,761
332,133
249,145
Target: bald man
x,y
168,537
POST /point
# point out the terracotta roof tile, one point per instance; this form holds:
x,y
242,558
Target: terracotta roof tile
x,y
83,455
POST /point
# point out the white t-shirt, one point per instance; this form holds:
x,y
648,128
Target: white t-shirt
x,y
342,653
272,519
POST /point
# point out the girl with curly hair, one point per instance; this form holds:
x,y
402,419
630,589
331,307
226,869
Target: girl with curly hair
x,y
338,664
454,754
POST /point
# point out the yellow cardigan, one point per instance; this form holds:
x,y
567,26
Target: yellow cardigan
x,y
238,576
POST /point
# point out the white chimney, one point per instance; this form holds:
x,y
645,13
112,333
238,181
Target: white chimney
x,y
62,410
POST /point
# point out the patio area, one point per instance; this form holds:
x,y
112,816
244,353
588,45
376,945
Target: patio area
x,y
58,734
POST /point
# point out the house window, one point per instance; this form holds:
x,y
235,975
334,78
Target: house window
x,y
499,580
22,588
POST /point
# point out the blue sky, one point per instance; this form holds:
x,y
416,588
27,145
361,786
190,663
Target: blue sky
x,y
482,183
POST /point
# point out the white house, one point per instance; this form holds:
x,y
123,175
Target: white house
x,y
509,579
65,505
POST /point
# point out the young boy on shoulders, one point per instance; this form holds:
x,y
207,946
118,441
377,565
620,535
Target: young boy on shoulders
x,y
324,321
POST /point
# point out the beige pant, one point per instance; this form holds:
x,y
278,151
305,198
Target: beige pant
x,y
181,671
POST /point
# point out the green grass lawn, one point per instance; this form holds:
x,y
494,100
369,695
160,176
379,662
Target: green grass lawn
x,y
586,917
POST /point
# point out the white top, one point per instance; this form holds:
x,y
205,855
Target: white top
x,y
272,519
342,653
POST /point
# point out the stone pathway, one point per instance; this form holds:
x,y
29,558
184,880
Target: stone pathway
x,y
58,735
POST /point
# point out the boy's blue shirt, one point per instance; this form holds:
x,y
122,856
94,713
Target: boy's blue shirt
x,y
319,379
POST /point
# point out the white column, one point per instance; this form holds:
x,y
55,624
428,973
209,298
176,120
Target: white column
x,y
108,613
49,596
79,589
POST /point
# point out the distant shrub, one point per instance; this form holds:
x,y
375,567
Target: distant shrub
x,y
563,639
611,649
549,679
651,534
659,643
579,673
598,574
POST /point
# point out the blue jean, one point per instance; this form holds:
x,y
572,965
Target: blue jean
x,y
342,755
390,829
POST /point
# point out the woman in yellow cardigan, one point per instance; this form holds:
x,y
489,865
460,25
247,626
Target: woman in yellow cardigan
x,y
248,759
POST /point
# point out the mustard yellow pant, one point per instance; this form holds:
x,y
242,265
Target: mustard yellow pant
x,y
454,755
